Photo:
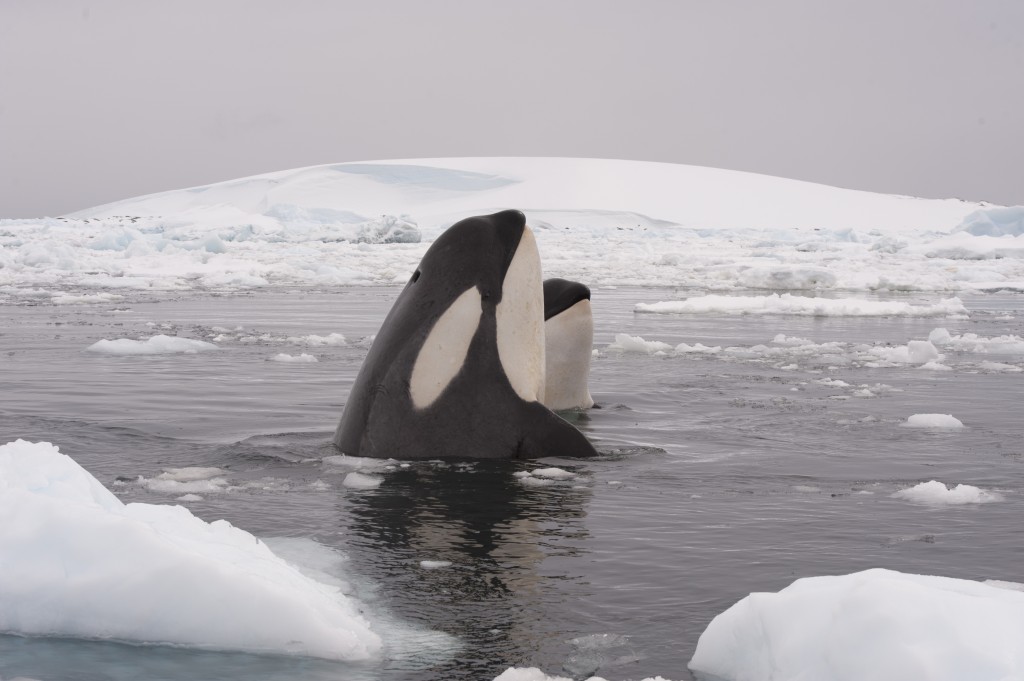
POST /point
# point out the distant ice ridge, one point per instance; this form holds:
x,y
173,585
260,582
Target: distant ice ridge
x,y
877,624
63,542
599,221
788,304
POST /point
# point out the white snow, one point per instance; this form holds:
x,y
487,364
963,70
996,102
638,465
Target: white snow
x,y
156,345
626,343
605,222
936,493
942,421
535,674
64,538
877,624
303,358
357,480
435,564
552,473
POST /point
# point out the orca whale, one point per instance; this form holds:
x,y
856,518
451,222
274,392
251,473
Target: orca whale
x,y
457,369
569,340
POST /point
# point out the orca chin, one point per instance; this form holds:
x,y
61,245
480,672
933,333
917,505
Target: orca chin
x,y
569,341
458,367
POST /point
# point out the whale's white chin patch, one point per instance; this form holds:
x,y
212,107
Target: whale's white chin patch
x,y
569,340
444,352
520,321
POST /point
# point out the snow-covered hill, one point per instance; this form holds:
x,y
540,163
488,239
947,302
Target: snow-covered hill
x,y
603,222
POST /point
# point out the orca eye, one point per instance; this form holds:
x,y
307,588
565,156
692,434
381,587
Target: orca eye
x,y
415,276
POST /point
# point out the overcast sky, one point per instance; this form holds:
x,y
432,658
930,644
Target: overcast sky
x,y
105,100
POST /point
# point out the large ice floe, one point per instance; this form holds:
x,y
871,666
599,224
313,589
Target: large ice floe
x,y
877,624
603,222
77,562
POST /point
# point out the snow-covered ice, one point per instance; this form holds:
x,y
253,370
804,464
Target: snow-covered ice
x,y
303,358
435,564
63,539
877,624
357,480
604,222
940,421
535,674
789,304
155,345
936,493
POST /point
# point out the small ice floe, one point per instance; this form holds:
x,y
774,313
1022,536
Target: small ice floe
x,y
64,538
189,497
435,564
535,674
357,480
626,343
971,342
877,624
188,480
543,477
937,493
304,358
156,345
319,341
943,421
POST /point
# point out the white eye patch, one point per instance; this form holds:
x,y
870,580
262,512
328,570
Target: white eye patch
x,y
520,319
444,352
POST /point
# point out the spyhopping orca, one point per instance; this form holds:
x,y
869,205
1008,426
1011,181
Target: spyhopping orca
x,y
457,368
569,340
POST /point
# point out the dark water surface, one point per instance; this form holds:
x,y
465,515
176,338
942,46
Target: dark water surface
x,y
720,476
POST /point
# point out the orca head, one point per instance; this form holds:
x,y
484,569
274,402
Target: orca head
x,y
480,267
562,294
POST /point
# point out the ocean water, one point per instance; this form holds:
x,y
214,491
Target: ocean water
x,y
719,476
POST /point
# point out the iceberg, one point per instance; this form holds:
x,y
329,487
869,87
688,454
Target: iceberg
x,y
77,562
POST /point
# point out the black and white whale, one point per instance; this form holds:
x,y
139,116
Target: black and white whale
x,y
457,368
569,341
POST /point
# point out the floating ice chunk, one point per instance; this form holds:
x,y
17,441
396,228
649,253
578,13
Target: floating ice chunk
x,y
63,538
939,336
535,674
303,358
933,421
435,564
156,345
552,473
317,341
921,352
936,366
697,348
626,343
790,341
357,480
877,624
937,493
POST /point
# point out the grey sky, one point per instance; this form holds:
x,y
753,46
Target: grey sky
x,y
104,100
